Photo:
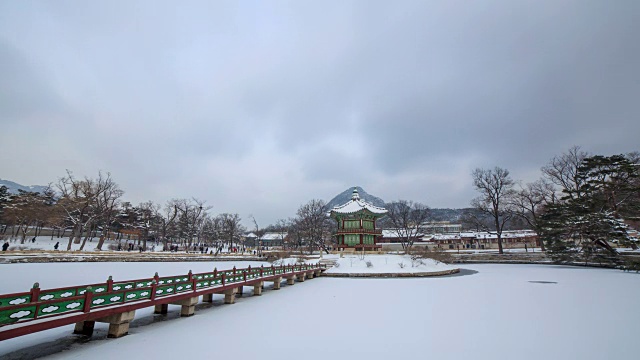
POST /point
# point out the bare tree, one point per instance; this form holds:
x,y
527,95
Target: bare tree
x,y
79,201
407,219
210,228
496,189
529,201
107,206
28,209
259,233
563,171
231,228
314,225
147,219
190,218
168,218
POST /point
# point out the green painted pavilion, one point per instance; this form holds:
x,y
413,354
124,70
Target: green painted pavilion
x,y
357,224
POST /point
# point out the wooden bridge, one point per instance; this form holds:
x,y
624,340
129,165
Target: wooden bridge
x,y
115,302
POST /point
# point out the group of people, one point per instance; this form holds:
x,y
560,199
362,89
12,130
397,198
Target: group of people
x,y
131,247
5,246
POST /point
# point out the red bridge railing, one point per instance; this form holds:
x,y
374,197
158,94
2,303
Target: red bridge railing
x,y
39,304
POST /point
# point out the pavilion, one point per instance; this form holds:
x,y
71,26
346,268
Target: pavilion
x,y
357,224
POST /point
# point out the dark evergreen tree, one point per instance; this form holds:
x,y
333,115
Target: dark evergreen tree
x,y
581,226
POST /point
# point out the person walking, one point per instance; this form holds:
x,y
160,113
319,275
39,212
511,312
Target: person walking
x,y
5,246
55,247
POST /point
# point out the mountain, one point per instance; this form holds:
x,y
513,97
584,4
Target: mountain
x,y
14,187
345,196
453,215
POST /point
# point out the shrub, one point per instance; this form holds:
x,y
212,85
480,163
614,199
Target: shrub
x,y
438,255
369,264
273,256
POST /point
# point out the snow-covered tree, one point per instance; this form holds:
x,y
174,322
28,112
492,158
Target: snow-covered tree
x,y
581,226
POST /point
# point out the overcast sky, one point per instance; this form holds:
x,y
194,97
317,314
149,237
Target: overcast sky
x,y
259,107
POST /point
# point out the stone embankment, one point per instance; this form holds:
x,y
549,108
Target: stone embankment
x,y
393,275
527,258
495,258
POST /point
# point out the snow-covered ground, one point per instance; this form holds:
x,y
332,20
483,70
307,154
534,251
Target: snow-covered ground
x,y
384,264
486,312
47,243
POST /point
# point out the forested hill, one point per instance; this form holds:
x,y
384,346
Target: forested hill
x,y
14,187
345,196
453,215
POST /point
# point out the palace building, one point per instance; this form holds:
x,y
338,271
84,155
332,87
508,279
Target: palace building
x,y
357,224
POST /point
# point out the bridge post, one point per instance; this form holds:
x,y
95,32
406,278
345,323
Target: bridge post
x,y
239,291
207,298
230,296
257,288
35,292
301,277
84,328
118,323
161,309
276,283
291,280
188,306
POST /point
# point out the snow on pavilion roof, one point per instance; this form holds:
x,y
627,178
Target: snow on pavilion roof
x,y
356,204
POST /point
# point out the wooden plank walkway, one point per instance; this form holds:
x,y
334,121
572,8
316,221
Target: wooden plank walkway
x,y
115,302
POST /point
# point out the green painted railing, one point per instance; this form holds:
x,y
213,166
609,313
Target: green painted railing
x,y
39,303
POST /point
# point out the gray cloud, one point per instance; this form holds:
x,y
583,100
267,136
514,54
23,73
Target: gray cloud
x,y
258,108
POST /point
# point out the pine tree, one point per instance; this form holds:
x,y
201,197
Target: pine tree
x,y
588,218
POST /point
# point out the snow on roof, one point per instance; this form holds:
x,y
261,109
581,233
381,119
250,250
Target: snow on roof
x,y
439,237
356,204
270,236
393,233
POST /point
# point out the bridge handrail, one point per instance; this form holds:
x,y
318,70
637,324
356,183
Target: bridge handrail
x,y
37,303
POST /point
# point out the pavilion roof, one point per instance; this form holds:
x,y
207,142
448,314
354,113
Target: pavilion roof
x,y
356,204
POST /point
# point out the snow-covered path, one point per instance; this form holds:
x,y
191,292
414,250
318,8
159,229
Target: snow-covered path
x,y
500,312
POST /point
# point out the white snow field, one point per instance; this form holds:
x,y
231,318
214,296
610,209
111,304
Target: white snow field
x,y
384,264
485,312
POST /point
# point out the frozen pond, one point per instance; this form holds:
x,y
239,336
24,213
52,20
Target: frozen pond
x,y
493,312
